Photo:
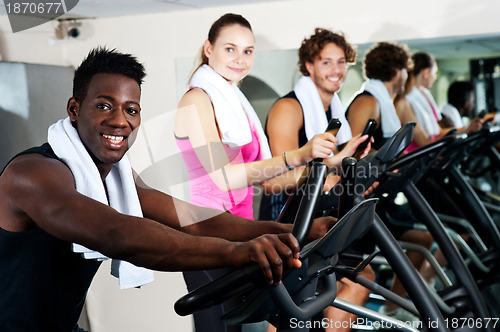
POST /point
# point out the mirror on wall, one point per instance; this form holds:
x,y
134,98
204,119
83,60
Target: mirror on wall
x,y
485,75
458,58
470,58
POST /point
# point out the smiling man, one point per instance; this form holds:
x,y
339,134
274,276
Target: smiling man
x,y
304,112
72,202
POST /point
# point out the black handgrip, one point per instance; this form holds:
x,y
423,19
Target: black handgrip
x,y
309,201
310,307
244,279
369,130
347,186
220,290
332,128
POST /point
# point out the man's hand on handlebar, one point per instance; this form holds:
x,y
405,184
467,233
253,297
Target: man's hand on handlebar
x,y
474,125
273,253
370,190
331,181
320,227
366,151
347,151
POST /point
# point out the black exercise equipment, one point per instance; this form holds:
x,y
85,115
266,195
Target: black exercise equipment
x,y
296,297
399,176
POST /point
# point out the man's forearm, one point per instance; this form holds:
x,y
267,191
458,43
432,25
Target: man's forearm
x,y
203,221
234,228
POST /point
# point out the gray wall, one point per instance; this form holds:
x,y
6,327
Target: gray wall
x,y
32,97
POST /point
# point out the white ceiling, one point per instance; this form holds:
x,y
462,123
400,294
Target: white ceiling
x,y
109,8
106,8
462,47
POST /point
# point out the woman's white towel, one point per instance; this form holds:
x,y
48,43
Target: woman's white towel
x,y
427,94
315,121
232,110
66,143
388,117
423,111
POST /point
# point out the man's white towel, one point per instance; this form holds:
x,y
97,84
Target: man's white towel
x,y
388,117
315,121
66,143
452,114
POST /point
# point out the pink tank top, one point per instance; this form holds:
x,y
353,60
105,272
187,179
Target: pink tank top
x,y
413,145
204,192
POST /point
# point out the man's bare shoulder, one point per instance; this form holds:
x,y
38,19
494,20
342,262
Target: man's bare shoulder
x,y
365,99
34,165
285,119
26,181
365,103
402,102
286,109
288,102
404,110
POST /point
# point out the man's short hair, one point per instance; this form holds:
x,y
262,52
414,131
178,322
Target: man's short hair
x,y
311,47
102,60
383,59
459,92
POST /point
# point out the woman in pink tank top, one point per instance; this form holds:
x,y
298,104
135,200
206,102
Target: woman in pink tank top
x,y
204,191
223,144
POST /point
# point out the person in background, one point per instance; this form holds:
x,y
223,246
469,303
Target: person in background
x,y
417,104
460,104
304,112
385,68
223,144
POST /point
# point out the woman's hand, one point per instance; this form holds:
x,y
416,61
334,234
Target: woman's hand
x,y
320,146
